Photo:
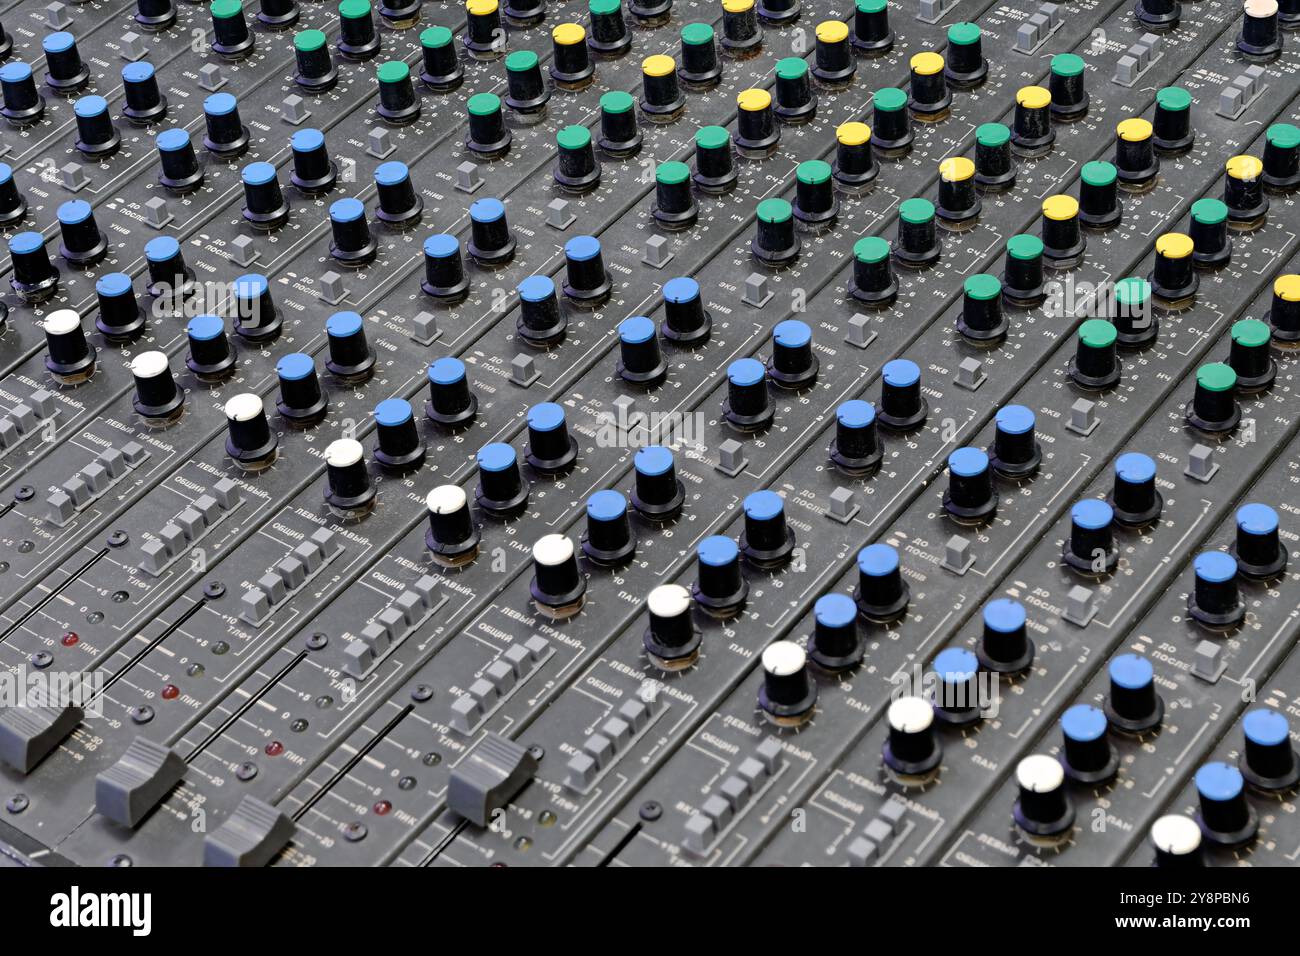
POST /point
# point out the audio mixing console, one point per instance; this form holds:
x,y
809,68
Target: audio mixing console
x,y
672,432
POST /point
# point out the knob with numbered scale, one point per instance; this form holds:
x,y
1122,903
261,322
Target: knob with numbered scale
x,y
671,641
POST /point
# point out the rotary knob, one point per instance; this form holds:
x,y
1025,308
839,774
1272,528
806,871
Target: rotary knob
x,y
1043,808
451,401
757,131
994,170
930,97
1095,365
13,207
715,170
793,364
179,169
918,240
640,358
1022,279
231,37
302,401
1063,241
155,15
1173,121
609,540
1173,277
398,447
856,167
440,70
120,317
970,497
351,360
959,203
444,270
64,70
675,207
1134,498
1215,599
226,135
264,203
1268,760
256,317
789,693
1133,704
540,323
1213,408
1177,842
586,283
488,137
82,244
873,282
20,102
871,32
902,406
836,644
558,587
1209,231
619,135
96,135
1158,14
278,14
1134,320
250,443
1284,311
913,748
767,541
157,399
1258,546
833,60
1032,133
1243,191
527,93
672,641
748,407
815,202
1015,452
1086,752
720,588
1068,88
452,538
143,102
492,242
795,101
576,169
881,593
609,32
1099,206
502,491
981,319
956,697
69,358
571,66
348,489
658,493
740,33
210,358
1282,157
398,103
551,449
686,322
34,277
1004,646
891,123
966,67
700,67
856,449
1260,39
358,37
1090,546
399,204
661,98
1225,815
316,70
314,172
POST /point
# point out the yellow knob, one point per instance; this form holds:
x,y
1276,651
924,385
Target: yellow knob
x,y
737,6
1174,245
832,31
481,8
754,101
927,64
1033,97
1060,207
956,169
658,65
1245,168
1134,130
569,34
853,134
1287,287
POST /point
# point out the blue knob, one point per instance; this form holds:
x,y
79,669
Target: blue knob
x,y
748,406
1015,452
658,493
1134,497
82,243
313,170
1258,547
551,449
835,644
882,594
491,240
609,539
1086,752
22,103
970,496
956,698
686,321
179,164
143,102
1004,645
256,317
856,449
352,244
399,447
586,282
1268,761
1090,548
350,359
720,588
502,491
96,135
211,358
1133,704
226,134
767,541
1215,600
640,358
1225,815
444,270
451,402
399,204
902,406
120,317
541,322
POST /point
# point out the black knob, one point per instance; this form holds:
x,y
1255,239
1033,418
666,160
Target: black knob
x,y
700,67
609,540
672,641
855,161
955,697
1260,39
527,93
720,588
748,406
1022,279
1177,842
400,14
815,201
970,496
157,399
558,587
488,138
881,594
757,131
1284,311
640,358
231,37
873,281
929,86
740,33
351,359
155,15
715,171
775,242
891,125
249,440
918,239
551,449
278,14
1258,548
586,283
313,170
1158,14
211,358
1086,752
179,165
674,206
871,32
966,67
1099,195
789,692
1096,359
491,240
902,406
609,34
1004,646
1212,247
576,168
993,167
836,644
82,244
1214,407
34,276
833,60
793,363
795,102
1067,86
767,541
302,401
502,491
264,203
22,102
400,205
351,242
1015,452
1133,704
256,317
778,12
1043,807
398,448
686,321
485,36
451,401
856,449
619,136
913,748
69,358
1134,320
1215,600
1173,275
120,317
348,489
6,43
96,135
1032,132
398,103
1173,120
358,38
661,99
541,322
1268,761
659,493
981,318
1063,240
441,71
571,65
142,101
452,537
13,207
1224,814
1135,154
1243,191
1090,546
64,71
1282,157
1134,497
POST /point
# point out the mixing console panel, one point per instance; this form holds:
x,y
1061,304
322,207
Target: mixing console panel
x,y
770,432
